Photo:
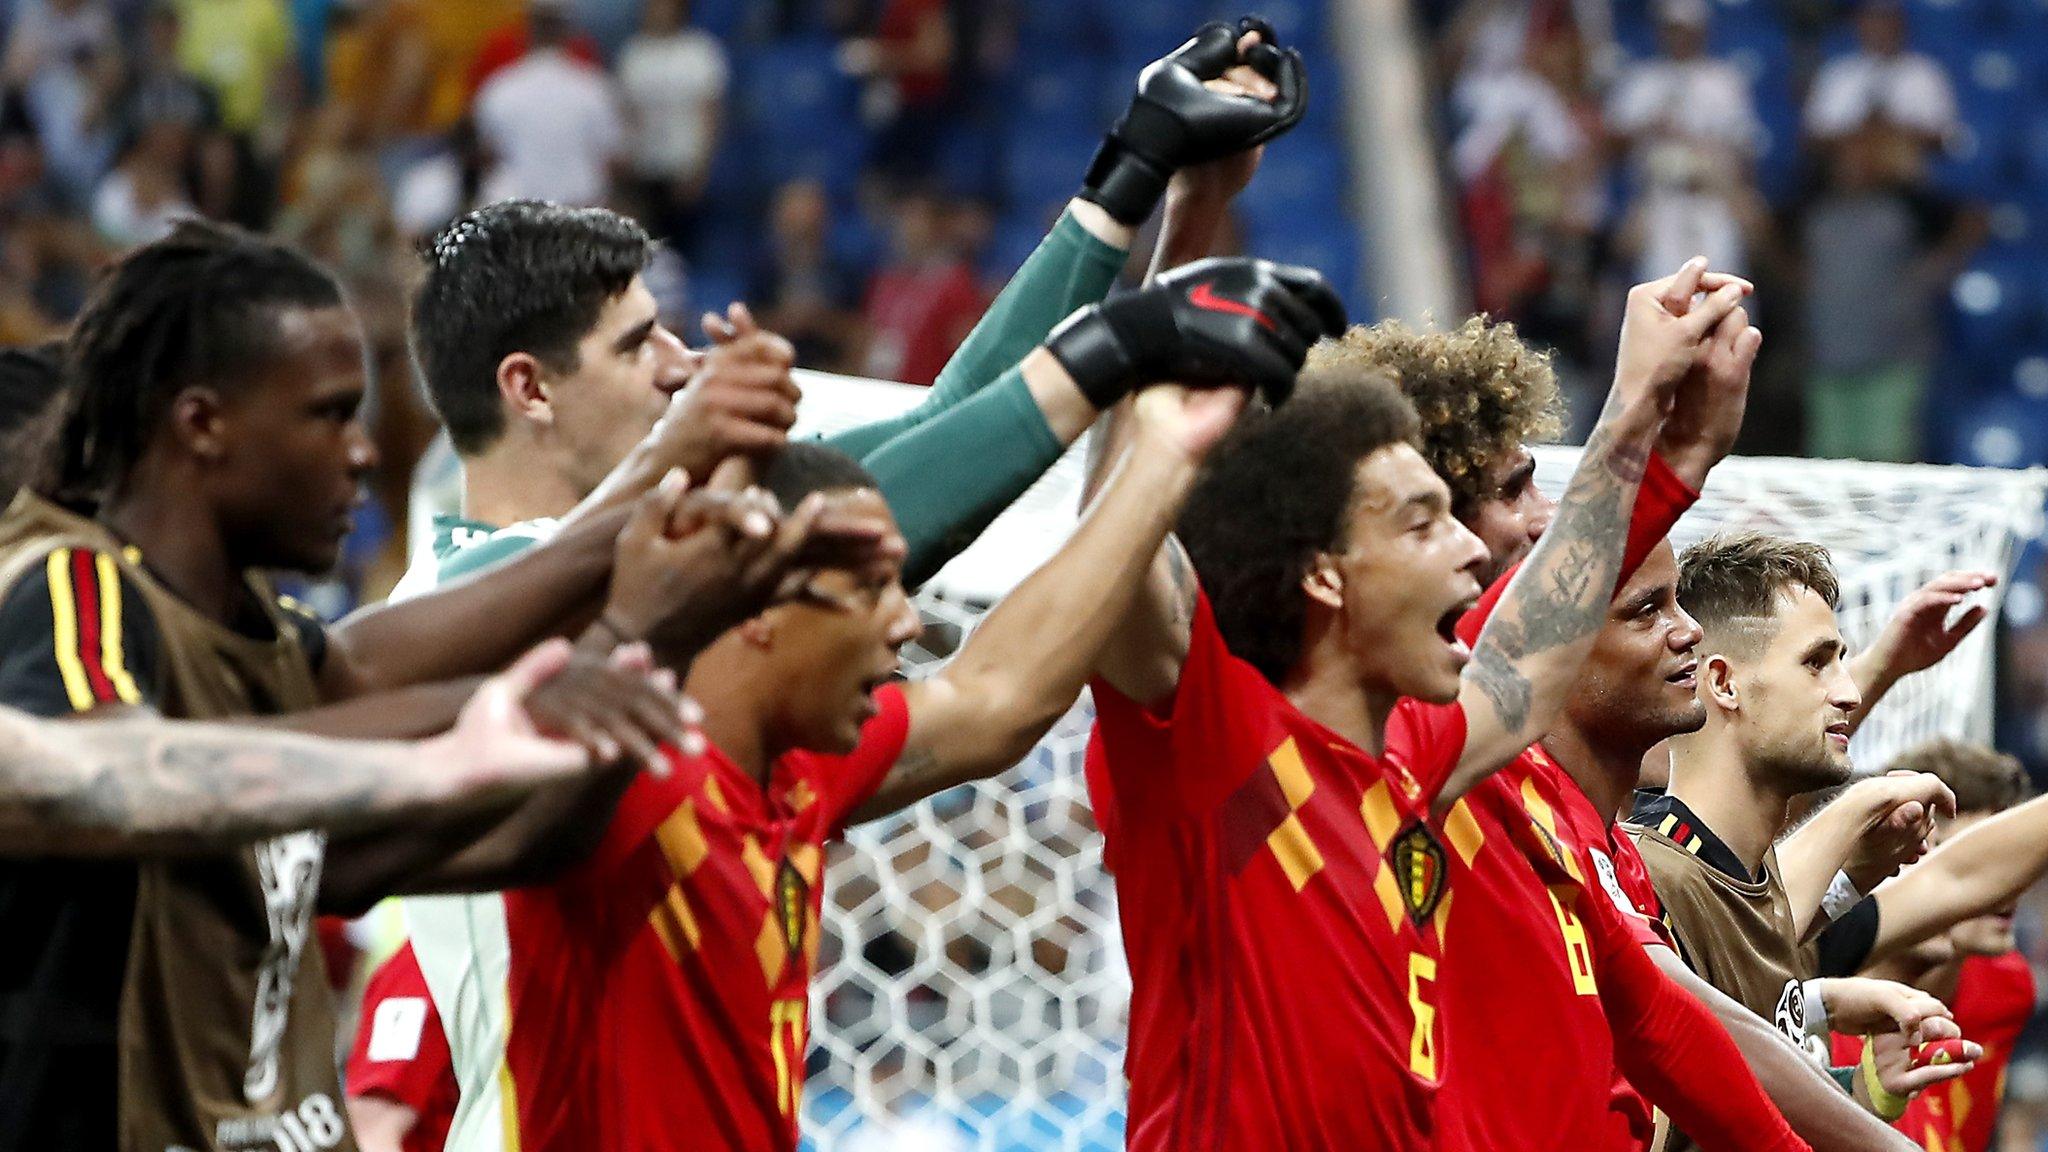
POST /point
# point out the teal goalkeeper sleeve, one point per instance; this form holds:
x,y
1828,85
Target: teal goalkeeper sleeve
x,y
1069,269
947,478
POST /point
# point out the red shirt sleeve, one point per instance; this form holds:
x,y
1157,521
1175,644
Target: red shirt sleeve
x,y
1674,1051
844,783
400,1051
1661,500
1192,751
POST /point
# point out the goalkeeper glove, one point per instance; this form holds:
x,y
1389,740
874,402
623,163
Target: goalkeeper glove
x,y
1224,321
1173,121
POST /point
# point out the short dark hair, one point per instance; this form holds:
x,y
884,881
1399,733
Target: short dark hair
x,y
515,276
197,307
1984,779
1275,493
1736,576
804,467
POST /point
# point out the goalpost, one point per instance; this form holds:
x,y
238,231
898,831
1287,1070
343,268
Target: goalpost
x,y
972,992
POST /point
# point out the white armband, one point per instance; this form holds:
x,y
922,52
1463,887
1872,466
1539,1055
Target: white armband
x,y
1816,1010
1842,896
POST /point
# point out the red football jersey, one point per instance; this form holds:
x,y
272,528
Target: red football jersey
x,y
659,993
1535,882
401,1054
1283,901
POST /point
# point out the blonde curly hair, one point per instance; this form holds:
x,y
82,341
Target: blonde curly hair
x,y
1480,391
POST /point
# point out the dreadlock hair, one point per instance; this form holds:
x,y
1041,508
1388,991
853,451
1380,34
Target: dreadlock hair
x,y
1275,493
31,379
515,276
194,309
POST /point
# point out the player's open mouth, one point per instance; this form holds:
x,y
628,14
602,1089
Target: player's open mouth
x,y
1687,677
1838,733
1447,629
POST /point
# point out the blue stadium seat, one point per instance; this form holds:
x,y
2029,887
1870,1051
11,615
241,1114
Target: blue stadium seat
x,y
1058,26
1949,28
1298,23
1330,246
1992,307
793,90
1141,30
1067,90
725,19
1044,164
1978,163
2007,432
1299,176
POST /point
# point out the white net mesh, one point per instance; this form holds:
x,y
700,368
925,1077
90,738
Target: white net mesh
x,y
972,991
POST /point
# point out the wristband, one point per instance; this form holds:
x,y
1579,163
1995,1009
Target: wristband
x,y
1842,896
1101,345
1123,183
1888,1105
1816,1009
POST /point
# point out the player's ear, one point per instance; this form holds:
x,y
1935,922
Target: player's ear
x,y
1717,684
523,385
1323,582
199,421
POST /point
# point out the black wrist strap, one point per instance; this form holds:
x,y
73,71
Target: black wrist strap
x,y
1087,347
1123,183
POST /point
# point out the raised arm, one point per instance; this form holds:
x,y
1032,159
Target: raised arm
x,y
1028,661
1980,871
1918,636
142,785
1527,658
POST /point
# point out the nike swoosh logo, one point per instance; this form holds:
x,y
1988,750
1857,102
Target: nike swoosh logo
x,y
1204,297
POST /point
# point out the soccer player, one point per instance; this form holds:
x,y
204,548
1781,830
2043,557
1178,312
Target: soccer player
x,y
544,405
140,785
1975,968
1483,394
401,1080
209,436
657,996
1284,897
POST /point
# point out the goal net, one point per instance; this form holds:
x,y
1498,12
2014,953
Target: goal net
x,y
972,992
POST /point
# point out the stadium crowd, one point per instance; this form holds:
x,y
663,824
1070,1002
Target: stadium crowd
x,y
1348,660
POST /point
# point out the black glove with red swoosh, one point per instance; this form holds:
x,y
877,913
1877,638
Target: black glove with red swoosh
x,y
1226,321
1174,121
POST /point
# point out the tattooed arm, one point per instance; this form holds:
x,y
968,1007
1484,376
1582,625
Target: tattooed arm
x,y
1527,659
138,784
1023,667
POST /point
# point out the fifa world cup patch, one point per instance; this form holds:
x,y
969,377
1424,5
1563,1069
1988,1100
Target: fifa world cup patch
x,y
1418,861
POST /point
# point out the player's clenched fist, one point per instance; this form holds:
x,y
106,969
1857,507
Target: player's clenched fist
x,y
1214,322
1175,119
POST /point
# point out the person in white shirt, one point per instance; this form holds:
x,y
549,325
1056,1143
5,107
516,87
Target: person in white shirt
x,y
1882,84
1691,131
551,123
674,79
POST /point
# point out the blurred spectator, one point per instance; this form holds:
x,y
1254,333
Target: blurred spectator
x,y
1529,163
145,194
160,97
1877,255
804,290
64,59
907,61
46,253
507,40
550,121
922,304
242,51
674,78
1690,130
1882,86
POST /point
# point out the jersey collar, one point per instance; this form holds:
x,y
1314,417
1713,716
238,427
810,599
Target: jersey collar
x,y
1668,816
